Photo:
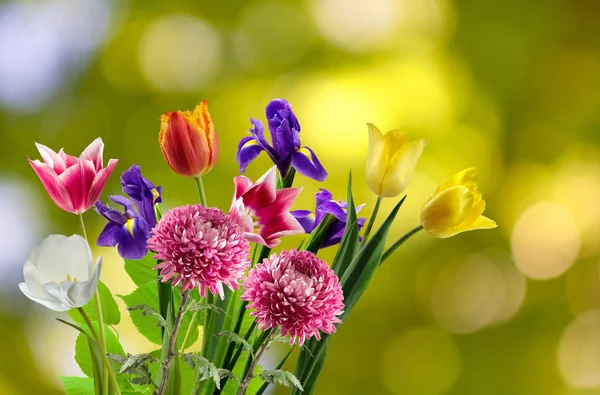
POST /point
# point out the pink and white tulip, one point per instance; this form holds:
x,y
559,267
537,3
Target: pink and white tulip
x,y
263,211
74,184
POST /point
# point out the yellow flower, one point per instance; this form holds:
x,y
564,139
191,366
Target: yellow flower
x,y
455,207
391,161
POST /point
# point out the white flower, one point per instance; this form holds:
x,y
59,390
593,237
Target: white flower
x,y
60,273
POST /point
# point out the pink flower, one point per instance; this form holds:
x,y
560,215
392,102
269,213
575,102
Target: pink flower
x,y
202,246
262,211
297,291
74,184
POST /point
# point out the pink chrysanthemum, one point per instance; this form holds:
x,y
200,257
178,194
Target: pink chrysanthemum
x,y
202,246
297,291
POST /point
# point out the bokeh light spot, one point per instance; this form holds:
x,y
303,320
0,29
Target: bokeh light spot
x,y
545,241
579,351
179,53
422,361
476,293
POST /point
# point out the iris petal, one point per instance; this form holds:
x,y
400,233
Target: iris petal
x,y
306,162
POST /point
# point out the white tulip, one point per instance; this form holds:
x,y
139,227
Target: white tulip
x,y
60,273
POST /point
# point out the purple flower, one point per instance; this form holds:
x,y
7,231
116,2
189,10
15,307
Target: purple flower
x,y
142,192
326,205
286,151
129,230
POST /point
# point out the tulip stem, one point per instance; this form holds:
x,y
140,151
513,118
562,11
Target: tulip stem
x,y
107,366
372,220
398,243
172,342
102,338
201,193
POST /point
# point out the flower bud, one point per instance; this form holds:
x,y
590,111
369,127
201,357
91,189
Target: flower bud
x,y
455,207
391,161
188,141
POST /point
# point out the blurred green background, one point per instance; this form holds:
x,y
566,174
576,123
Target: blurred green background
x,y
510,87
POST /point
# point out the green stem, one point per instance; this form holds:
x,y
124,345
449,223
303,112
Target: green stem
x,y
102,338
201,193
107,366
250,373
189,330
372,220
398,243
172,341
265,385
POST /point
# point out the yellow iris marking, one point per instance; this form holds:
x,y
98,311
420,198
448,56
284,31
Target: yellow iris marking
x,y
155,195
250,144
311,215
129,225
306,153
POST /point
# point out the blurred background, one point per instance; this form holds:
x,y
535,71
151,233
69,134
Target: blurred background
x,y
510,87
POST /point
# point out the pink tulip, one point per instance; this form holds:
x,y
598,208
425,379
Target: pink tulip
x,y
262,211
74,184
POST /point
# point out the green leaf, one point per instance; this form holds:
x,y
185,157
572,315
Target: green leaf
x,y
146,324
315,239
110,310
148,311
238,339
141,271
281,377
137,366
195,306
349,243
206,369
83,355
77,385
358,275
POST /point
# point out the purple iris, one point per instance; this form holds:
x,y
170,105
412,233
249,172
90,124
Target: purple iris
x,y
326,205
129,230
285,151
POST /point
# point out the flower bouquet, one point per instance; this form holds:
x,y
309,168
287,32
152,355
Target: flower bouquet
x,y
211,292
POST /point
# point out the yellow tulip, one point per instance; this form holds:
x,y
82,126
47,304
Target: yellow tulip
x,y
391,161
455,207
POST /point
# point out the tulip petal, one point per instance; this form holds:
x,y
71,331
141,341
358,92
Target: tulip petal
x,y
447,211
241,217
466,178
185,147
376,163
51,158
241,185
264,191
306,162
483,223
279,226
49,302
55,188
78,180
401,165
99,182
93,153
67,159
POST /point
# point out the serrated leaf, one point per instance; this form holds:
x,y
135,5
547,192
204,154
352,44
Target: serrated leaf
x,y
77,385
281,377
195,306
148,311
206,369
110,310
238,339
141,271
